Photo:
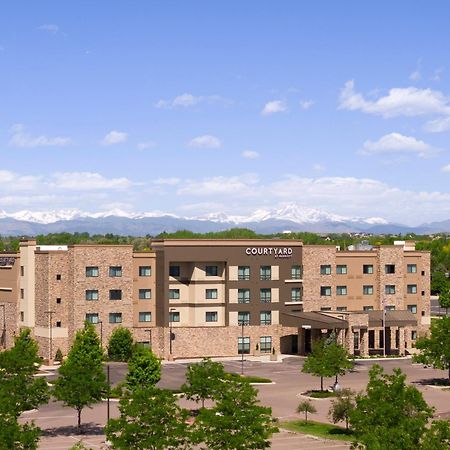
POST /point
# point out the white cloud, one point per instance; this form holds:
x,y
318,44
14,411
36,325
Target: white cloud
x,y
205,141
438,125
273,107
446,168
20,138
49,27
87,181
11,181
145,145
239,185
407,102
114,137
415,76
187,100
306,104
318,167
170,181
250,154
397,143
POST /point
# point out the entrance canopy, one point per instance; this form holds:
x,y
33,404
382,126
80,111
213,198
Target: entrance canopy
x,y
313,320
392,319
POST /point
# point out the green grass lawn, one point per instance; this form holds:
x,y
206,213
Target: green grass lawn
x,y
320,394
249,378
324,430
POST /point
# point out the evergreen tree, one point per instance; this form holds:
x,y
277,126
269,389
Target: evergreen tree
x,y
81,380
144,368
120,345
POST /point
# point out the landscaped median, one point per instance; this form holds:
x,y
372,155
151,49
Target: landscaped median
x,y
320,429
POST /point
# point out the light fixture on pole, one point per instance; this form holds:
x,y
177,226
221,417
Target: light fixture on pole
x,y
149,331
171,336
50,333
3,340
243,323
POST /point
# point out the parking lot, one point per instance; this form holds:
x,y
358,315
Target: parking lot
x,y
282,396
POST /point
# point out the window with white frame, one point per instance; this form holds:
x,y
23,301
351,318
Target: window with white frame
x,y
296,294
145,271
325,269
368,289
91,294
243,273
243,317
411,289
296,272
115,317
389,289
411,268
211,316
174,316
325,291
341,269
367,269
174,294
92,317
265,273
265,344
412,308
145,316
243,345
265,295
265,317
341,290
92,271
145,294
211,294
115,271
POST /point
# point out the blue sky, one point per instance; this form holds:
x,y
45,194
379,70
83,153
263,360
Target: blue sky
x,y
197,107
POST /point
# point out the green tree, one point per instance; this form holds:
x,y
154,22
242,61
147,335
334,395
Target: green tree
x,y
390,414
437,437
236,422
144,368
20,391
444,297
327,359
204,380
120,345
81,380
306,407
342,406
435,349
149,419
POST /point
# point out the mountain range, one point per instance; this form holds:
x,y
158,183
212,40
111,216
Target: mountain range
x,y
291,217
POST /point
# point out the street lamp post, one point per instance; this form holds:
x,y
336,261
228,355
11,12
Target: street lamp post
x,y
50,330
149,331
101,333
171,310
4,325
242,346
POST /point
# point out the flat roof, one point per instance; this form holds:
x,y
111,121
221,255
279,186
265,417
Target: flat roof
x,y
314,320
226,242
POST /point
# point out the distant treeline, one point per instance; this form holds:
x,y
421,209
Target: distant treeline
x,y
438,244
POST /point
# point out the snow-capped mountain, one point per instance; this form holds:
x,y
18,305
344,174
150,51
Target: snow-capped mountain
x,y
291,217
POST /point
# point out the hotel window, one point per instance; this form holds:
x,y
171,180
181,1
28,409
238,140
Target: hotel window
x,y
411,289
243,295
296,272
390,308
325,269
367,268
92,318
115,271
58,324
174,316
296,294
411,268
367,308
243,318
325,308
389,289
412,308
91,294
22,293
243,345
58,300
341,269
115,294
265,295
145,316
174,294
58,277
22,316
174,271
22,271
389,268
211,316
341,290
211,294
145,294
211,271
265,344
325,291
413,335
368,289
265,317
145,271
92,271
115,317
243,273
265,273
341,308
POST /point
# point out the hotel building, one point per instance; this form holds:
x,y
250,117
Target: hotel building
x,y
194,298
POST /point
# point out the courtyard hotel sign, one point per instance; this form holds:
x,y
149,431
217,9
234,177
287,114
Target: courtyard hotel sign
x,y
277,252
